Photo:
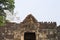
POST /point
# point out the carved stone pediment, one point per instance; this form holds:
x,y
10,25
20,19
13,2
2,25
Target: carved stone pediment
x,y
30,19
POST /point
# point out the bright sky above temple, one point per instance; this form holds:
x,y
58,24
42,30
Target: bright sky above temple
x,y
42,10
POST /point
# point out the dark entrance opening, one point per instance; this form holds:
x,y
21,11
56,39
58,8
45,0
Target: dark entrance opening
x,y
29,36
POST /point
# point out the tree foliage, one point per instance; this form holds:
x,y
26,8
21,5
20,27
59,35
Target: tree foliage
x,y
5,5
1,21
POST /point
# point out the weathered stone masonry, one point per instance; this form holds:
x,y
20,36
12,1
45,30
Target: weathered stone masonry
x,y
42,30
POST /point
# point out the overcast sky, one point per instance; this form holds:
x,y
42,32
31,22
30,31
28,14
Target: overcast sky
x,y
42,10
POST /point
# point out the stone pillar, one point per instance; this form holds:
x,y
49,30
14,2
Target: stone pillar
x,y
22,37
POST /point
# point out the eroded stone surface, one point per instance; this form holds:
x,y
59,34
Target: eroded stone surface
x,y
43,30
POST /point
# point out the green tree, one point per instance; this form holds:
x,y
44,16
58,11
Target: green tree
x,y
1,21
5,5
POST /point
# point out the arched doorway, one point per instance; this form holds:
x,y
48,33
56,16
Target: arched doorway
x,y
29,36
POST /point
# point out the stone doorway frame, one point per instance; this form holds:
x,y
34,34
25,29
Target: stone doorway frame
x,y
22,36
27,34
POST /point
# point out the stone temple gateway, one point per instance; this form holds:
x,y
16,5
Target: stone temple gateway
x,y
29,29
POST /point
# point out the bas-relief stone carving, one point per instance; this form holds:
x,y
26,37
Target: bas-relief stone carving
x,y
42,30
